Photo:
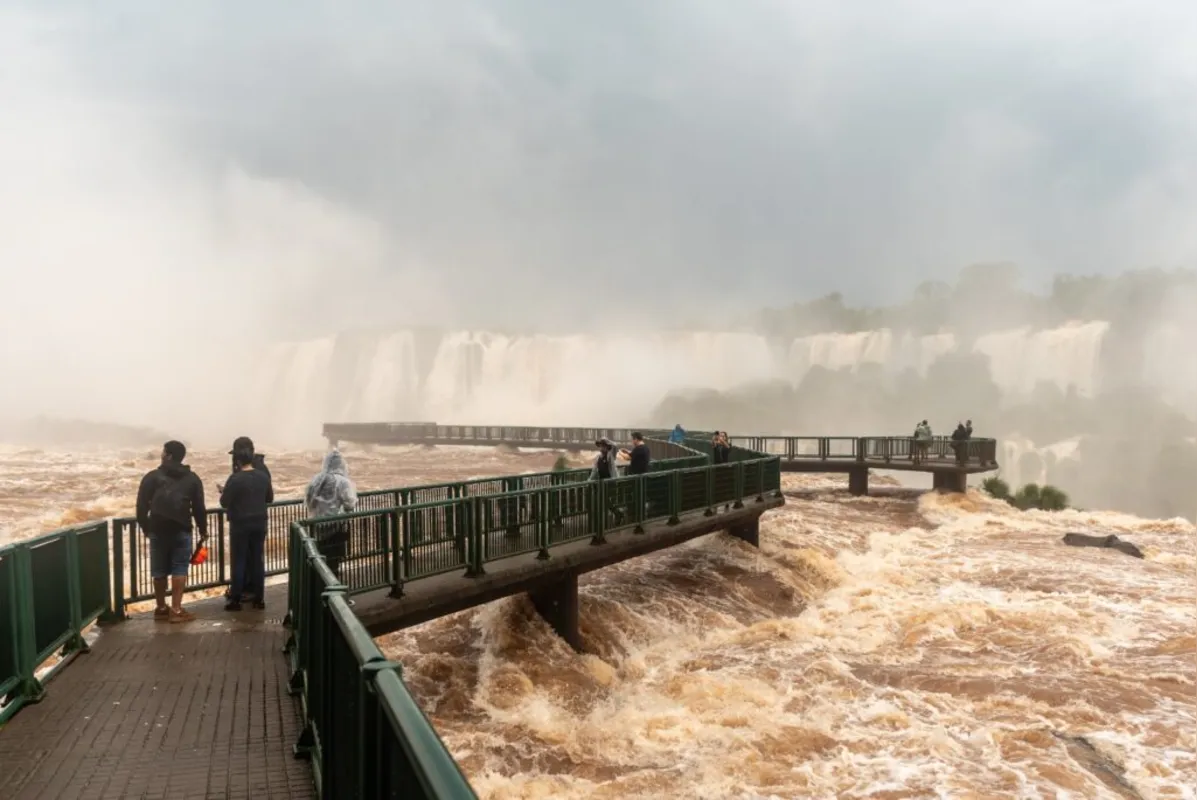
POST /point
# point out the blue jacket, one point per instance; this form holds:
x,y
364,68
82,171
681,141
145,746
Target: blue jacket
x,y
678,436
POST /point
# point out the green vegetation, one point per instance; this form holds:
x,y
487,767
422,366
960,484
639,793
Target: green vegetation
x,y
561,464
996,488
1045,498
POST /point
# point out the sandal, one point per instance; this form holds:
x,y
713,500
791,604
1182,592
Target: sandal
x,y
183,615
161,614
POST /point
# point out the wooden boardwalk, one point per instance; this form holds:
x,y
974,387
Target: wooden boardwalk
x,y
198,710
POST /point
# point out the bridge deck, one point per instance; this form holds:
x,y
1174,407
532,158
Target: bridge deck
x,y
429,598
930,464
159,710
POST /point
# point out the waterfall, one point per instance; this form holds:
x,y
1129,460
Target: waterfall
x,y
617,377
1066,356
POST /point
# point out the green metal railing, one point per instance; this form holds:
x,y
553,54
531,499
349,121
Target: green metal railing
x,y
363,731
392,547
131,571
51,589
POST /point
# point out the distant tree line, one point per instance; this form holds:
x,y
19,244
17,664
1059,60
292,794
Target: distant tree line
x,y
988,297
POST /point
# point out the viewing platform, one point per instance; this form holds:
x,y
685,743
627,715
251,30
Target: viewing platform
x,y
948,462
298,701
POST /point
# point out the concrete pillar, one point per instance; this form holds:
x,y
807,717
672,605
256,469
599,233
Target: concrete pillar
x,y
950,481
858,482
558,604
748,531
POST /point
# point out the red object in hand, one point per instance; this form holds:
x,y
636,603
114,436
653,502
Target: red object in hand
x,y
201,555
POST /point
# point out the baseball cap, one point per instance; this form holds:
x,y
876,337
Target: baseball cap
x,y
242,443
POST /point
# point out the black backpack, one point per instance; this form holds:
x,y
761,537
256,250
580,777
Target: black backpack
x,y
172,500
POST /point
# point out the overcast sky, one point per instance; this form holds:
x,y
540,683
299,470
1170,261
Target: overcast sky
x,y
400,161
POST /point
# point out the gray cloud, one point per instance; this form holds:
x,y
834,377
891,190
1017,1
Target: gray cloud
x,y
629,151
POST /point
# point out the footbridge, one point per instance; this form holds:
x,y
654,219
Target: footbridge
x,y
99,699
947,461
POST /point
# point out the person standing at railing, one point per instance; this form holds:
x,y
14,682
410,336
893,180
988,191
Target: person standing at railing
x,y
244,443
720,449
678,435
606,468
639,463
168,499
330,493
922,441
245,496
960,442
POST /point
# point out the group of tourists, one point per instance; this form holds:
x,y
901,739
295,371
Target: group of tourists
x,y
923,438
171,511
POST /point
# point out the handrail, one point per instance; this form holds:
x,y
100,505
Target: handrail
x,y
794,448
134,584
363,731
52,587
392,547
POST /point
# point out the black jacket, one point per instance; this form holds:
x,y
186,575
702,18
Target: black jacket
x,y
192,487
640,459
246,495
720,454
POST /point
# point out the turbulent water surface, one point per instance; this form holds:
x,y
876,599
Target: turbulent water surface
x,y
885,647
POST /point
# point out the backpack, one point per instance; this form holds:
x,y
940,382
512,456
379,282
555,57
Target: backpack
x,y
171,501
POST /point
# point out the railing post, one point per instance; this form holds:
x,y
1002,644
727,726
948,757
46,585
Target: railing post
x,y
397,548
638,493
220,549
118,571
541,498
30,689
739,485
74,593
134,530
710,492
602,500
675,497
476,539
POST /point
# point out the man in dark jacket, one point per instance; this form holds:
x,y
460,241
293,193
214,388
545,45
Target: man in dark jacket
x,y
244,497
639,457
960,442
246,444
168,500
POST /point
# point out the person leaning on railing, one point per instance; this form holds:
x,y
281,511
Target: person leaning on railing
x,y
331,492
168,499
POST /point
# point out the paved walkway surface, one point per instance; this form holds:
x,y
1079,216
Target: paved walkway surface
x,y
158,710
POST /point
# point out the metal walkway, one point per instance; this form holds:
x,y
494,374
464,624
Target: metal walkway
x,y
159,710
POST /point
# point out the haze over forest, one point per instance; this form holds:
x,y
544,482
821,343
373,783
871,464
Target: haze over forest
x,y
186,184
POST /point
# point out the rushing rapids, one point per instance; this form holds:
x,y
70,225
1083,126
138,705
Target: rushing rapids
x,y
903,645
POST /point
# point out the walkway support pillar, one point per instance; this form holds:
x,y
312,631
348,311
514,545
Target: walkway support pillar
x,y
858,481
748,531
950,481
557,602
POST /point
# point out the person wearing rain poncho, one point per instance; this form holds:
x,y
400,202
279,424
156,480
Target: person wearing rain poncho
x,y
922,442
331,492
678,435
